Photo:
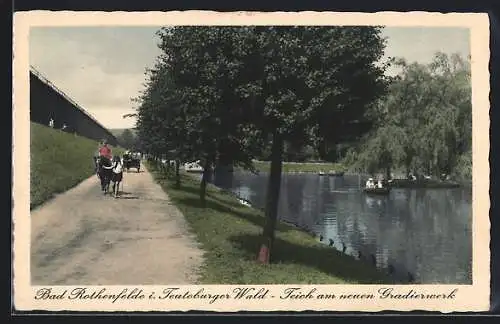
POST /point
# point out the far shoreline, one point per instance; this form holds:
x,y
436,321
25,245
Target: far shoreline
x,y
339,169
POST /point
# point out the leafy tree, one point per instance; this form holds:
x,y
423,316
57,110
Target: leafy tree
x,y
207,68
127,139
312,86
425,119
160,121
224,93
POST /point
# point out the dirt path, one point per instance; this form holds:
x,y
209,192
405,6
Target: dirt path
x,y
82,237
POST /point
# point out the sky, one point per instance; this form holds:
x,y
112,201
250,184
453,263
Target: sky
x,y
102,68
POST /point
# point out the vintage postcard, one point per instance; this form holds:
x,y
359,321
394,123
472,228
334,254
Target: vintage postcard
x,y
251,161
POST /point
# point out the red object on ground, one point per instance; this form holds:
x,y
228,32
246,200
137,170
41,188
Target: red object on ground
x,y
263,254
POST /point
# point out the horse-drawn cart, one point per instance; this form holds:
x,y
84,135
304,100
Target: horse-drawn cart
x,y
130,161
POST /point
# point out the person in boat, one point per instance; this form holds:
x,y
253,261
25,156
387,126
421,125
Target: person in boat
x,y
370,184
445,177
411,177
380,184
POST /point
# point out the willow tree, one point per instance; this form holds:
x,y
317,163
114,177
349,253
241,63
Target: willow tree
x,y
425,119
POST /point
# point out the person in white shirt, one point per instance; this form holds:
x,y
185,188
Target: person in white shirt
x,y
117,164
370,184
117,175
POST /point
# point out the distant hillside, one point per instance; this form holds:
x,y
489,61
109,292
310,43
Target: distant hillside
x,y
118,131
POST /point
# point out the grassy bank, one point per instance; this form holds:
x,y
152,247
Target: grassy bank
x,y
230,233
264,166
59,161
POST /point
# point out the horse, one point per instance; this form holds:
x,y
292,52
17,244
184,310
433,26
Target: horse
x,y
104,172
117,174
96,165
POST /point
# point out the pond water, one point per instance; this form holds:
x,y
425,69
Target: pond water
x,y
424,234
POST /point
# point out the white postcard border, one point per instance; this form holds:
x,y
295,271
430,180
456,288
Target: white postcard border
x,y
473,297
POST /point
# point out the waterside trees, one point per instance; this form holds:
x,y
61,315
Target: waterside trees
x,y
424,124
220,90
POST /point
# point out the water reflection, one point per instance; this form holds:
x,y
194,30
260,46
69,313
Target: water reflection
x,y
420,233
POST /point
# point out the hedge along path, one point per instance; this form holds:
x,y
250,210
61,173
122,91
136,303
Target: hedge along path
x,y
85,238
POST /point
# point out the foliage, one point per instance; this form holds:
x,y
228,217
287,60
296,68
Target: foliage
x,y
302,167
127,139
424,124
222,94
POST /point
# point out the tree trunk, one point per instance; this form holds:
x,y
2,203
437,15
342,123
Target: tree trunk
x,y
408,162
223,176
273,193
322,150
177,173
204,180
169,167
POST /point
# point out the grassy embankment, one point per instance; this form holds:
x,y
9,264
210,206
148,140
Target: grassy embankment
x,y
316,167
230,233
59,161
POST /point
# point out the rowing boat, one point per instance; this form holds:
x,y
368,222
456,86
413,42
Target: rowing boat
x,y
377,191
